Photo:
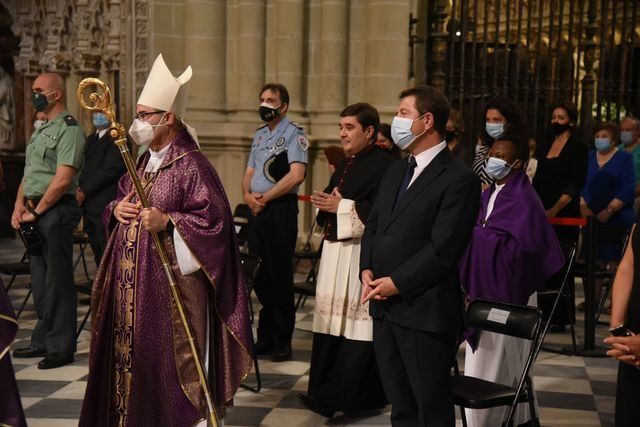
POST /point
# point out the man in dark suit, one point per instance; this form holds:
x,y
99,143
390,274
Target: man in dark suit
x,y
103,167
413,240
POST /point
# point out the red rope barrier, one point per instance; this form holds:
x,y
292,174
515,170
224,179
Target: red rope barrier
x,y
574,222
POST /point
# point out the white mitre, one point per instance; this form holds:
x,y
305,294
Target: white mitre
x,y
165,92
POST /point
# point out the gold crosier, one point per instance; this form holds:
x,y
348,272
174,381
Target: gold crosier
x,y
102,103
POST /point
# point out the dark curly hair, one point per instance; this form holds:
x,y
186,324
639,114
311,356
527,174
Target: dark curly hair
x,y
567,106
516,125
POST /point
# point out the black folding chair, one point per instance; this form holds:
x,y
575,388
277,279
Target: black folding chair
x,y
307,288
617,235
604,234
549,298
506,319
15,269
241,218
250,267
81,239
84,289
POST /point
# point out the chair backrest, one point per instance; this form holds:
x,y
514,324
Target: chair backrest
x,y
506,319
569,251
612,234
250,266
242,211
568,248
241,217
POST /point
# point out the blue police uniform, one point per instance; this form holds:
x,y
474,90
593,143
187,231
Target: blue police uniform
x,y
273,233
286,137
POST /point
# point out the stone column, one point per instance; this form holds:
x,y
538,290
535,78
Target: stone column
x,y
205,51
167,38
284,50
359,30
387,65
245,57
332,60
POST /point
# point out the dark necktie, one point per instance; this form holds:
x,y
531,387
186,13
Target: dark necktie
x,y
407,178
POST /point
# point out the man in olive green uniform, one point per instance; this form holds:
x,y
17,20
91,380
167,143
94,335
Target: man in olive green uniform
x,y
47,197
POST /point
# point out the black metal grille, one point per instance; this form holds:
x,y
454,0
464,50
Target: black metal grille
x,y
536,52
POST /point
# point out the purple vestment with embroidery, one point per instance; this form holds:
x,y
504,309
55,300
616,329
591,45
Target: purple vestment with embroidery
x,y
141,371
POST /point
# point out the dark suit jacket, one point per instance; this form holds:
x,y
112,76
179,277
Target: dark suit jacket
x,y
103,167
420,241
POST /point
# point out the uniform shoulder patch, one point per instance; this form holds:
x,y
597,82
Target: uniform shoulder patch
x,y
303,142
262,125
70,120
298,125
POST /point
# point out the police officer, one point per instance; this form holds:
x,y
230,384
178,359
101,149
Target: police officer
x,y
276,167
46,197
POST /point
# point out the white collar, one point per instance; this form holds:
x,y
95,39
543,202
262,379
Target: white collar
x,y
101,132
161,153
156,158
423,159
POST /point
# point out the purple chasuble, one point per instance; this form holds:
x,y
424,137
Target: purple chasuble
x,y
513,252
141,371
11,413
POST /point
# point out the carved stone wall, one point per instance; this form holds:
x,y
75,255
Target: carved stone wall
x,y
80,38
329,53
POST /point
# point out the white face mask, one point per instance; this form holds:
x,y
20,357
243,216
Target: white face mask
x,y
142,132
401,131
38,123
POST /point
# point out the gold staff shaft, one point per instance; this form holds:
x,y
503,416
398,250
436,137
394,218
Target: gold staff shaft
x,y
102,103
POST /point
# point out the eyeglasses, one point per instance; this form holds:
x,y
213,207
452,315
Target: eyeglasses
x,y
144,114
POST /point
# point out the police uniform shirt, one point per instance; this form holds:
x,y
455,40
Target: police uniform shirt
x,y
57,142
286,137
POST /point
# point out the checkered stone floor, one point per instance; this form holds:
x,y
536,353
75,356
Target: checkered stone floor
x,y
572,391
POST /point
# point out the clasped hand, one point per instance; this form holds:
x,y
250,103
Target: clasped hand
x,y
625,349
327,202
152,219
378,289
256,202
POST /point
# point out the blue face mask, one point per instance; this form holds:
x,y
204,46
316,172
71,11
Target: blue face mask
x,y
626,137
401,131
603,144
100,121
494,130
497,168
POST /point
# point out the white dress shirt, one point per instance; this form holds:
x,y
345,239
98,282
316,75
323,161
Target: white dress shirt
x,y
101,132
492,200
423,159
155,159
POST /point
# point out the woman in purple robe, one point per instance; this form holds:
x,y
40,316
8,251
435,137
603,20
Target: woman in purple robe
x,y
512,252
